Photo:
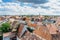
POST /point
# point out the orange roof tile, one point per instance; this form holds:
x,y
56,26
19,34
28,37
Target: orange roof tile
x,y
52,28
43,32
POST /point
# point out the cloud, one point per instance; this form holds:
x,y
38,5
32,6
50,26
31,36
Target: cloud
x,y
53,6
0,0
34,1
9,9
13,8
16,9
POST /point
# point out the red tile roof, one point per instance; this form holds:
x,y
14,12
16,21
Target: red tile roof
x,y
43,32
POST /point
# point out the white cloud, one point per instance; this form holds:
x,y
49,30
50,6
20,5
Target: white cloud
x,y
54,7
16,9
0,0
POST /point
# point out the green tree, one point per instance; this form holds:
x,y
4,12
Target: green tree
x,y
5,27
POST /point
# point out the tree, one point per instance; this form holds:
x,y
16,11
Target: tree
x,y
5,27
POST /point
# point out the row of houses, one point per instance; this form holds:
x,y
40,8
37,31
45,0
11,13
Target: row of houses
x,y
33,28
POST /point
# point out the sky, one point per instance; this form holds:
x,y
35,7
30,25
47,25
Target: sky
x,y
29,7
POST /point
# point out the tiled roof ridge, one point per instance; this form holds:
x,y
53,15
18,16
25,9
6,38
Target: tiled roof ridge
x,y
39,36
